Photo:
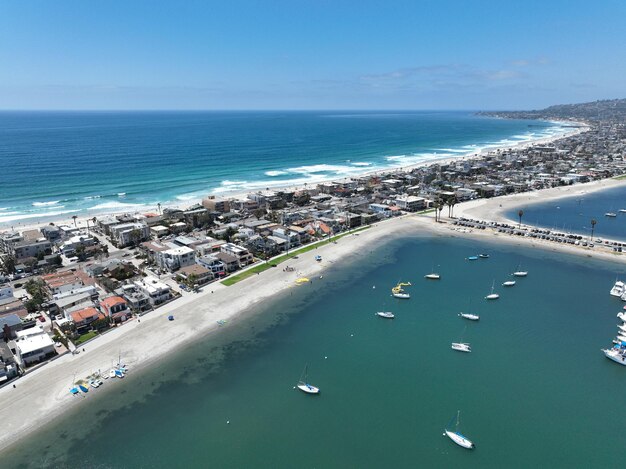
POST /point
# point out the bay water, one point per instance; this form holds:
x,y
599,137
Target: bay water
x,y
536,391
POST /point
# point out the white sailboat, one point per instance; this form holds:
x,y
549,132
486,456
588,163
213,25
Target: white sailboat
x,y
304,385
386,314
519,272
433,275
470,316
617,354
508,283
456,436
610,214
398,291
492,295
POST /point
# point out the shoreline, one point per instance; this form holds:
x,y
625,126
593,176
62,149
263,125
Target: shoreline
x,y
572,128
495,209
44,393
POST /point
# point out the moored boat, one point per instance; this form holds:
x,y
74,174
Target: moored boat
x,y
617,354
304,385
398,291
461,347
472,258
610,214
492,295
508,283
470,316
432,276
619,288
386,314
457,436
484,256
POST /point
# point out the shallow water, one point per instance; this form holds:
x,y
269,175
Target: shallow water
x,y
535,392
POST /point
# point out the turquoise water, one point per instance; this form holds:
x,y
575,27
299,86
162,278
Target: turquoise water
x,y
56,164
574,214
535,392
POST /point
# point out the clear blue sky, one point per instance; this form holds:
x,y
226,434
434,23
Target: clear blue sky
x,y
318,54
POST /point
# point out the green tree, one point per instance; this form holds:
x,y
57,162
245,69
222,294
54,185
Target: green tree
x,y
593,227
520,214
8,264
135,237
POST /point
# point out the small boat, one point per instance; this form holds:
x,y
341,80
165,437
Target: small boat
x,y
457,437
398,291
619,288
508,283
622,316
470,316
83,388
385,314
622,210
617,354
112,373
119,373
74,390
461,347
318,258
432,276
472,258
610,214
170,318
93,384
484,256
303,384
519,272
492,295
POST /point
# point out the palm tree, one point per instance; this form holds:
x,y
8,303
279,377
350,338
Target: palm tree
x,y
520,214
453,202
74,217
159,207
593,227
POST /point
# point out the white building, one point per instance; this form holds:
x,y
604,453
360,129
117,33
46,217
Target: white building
x,y
410,203
68,247
242,254
33,345
156,291
174,258
122,234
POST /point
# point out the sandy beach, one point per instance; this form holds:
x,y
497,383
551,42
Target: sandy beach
x,y
495,209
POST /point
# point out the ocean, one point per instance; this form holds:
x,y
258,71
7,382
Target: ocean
x,y
574,214
536,391
60,164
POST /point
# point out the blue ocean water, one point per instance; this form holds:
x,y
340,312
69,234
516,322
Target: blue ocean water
x,y
574,214
536,391
57,164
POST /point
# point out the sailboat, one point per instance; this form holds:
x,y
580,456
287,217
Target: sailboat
x,y
519,272
492,295
74,388
508,283
470,316
456,436
386,314
303,384
432,275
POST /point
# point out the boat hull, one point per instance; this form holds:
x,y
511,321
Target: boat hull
x,y
460,347
385,315
460,440
616,357
471,317
402,296
308,388
432,276
520,274
493,296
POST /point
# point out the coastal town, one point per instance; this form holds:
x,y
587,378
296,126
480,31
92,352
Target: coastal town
x,y
67,283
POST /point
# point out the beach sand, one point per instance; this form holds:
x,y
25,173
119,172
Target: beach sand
x,y
495,209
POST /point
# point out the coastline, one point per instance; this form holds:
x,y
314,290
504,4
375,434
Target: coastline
x,y
43,394
83,216
495,209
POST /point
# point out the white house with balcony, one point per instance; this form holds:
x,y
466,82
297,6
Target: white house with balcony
x,y
174,258
242,254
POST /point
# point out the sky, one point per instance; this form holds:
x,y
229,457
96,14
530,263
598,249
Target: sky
x,y
317,54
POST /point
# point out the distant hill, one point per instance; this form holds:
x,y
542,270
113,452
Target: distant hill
x,y
605,110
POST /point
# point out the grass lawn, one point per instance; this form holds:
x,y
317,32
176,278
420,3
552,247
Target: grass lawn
x,y
623,176
85,337
285,257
